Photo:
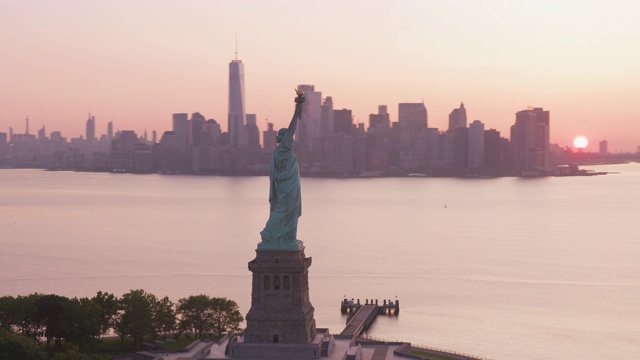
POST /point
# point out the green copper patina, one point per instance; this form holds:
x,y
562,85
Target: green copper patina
x,y
284,192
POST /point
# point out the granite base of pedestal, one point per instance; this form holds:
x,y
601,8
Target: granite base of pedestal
x,y
280,323
275,351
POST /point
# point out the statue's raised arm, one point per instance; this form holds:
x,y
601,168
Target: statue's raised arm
x,y
284,191
291,130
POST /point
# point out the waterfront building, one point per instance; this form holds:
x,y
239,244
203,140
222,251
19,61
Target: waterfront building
x,y
530,139
123,149
4,145
166,152
476,145
603,147
181,130
493,153
461,149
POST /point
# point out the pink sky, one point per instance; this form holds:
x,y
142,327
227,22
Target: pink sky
x,y
138,62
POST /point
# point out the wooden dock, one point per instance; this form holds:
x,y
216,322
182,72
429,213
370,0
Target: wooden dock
x,y
361,316
387,307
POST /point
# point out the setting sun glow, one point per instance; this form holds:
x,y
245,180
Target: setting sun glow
x,y
580,142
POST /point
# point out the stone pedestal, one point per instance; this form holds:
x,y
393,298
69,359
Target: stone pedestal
x,y
280,323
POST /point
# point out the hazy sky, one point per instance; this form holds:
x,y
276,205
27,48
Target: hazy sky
x,y
137,62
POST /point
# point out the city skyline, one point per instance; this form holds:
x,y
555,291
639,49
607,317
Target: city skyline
x,y
138,64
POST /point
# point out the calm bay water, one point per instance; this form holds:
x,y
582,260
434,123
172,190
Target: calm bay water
x,y
511,268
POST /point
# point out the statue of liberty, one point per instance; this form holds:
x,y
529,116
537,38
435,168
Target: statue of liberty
x,y
284,191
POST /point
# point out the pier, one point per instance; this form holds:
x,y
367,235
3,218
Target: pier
x,y
387,307
361,316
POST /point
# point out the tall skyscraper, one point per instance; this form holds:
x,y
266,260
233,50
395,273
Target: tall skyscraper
x,y
476,145
343,121
253,138
379,122
41,133
530,139
195,129
181,128
326,117
269,139
604,147
309,125
461,148
90,133
4,145
493,154
458,118
412,115
110,131
236,104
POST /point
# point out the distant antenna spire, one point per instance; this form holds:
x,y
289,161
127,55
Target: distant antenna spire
x,y
236,46
27,125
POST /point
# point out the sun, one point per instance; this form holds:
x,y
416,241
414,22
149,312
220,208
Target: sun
x,y
580,142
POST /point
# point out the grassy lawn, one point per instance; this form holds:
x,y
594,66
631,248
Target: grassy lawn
x,y
178,344
112,346
430,356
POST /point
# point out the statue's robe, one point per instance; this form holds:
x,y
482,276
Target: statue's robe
x,y
284,195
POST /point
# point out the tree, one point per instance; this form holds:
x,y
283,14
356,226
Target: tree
x,y
164,316
29,323
135,316
108,305
56,314
87,317
226,316
16,346
193,312
208,315
9,313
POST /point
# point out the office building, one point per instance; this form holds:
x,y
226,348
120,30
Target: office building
x,y
412,115
603,147
476,145
110,131
309,128
269,139
343,121
181,130
236,120
530,139
458,118
379,123
326,117
90,134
